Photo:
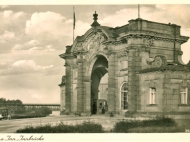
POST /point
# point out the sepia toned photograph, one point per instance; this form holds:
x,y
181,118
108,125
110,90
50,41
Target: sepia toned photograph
x,y
118,68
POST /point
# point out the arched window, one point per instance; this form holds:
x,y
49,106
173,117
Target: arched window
x,y
124,97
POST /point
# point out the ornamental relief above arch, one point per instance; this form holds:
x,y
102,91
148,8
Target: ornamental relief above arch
x,y
91,45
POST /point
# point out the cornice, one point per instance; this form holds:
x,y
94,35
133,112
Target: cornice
x,y
181,39
67,56
172,68
146,35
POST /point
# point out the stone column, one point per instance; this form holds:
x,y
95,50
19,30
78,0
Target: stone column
x,y
132,80
117,90
74,99
68,88
62,97
80,86
88,96
111,83
138,67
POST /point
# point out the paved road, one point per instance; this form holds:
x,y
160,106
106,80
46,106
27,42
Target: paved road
x,y
10,126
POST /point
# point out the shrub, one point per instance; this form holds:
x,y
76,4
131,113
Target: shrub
x,y
20,116
172,129
89,127
85,127
32,129
125,125
33,113
43,111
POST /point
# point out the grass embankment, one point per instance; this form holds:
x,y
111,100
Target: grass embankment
x,y
85,127
32,113
156,125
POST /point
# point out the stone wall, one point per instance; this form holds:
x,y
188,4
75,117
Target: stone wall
x,y
146,81
173,83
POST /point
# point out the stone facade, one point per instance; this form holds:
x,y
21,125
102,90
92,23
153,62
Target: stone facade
x,y
144,66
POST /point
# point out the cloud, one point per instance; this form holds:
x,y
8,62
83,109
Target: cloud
x,y
12,19
51,25
37,96
7,36
17,47
31,46
46,48
81,27
4,6
45,23
31,88
29,64
120,18
33,42
9,15
178,14
3,65
11,32
23,67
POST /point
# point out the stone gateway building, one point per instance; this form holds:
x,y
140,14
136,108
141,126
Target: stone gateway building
x,y
144,66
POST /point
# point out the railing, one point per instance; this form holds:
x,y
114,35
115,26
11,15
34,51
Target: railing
x,y
28,106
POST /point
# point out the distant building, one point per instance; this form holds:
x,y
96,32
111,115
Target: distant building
x,y
4,111
144,66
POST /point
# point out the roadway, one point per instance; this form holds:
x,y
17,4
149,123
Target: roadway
x,y
10,126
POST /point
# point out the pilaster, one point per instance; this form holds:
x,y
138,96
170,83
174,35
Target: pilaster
x,y
68,88
111,83
87,104
133,82
80,85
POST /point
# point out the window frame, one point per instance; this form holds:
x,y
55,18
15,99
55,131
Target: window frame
x,y
124,98
184,92
152,96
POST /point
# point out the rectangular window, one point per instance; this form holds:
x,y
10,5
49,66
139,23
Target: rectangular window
x,y
184,95
152,96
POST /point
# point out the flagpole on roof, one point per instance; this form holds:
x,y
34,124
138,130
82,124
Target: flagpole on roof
x,y
73,23
138,10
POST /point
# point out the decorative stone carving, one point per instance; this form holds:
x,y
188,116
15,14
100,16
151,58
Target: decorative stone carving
x,y
81,61
74,66
122,54
150,42
63,80
157,62
93,43
109,52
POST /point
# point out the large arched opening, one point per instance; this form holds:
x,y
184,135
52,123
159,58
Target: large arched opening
x,y
99,81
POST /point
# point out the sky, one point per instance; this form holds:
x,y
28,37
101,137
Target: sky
x,y
33,36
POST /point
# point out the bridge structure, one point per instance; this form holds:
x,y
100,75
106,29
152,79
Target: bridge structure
x,y
53,107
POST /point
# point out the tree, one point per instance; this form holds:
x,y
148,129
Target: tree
x,y
43,111
2,100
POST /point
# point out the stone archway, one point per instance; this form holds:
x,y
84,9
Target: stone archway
x,y
100,68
